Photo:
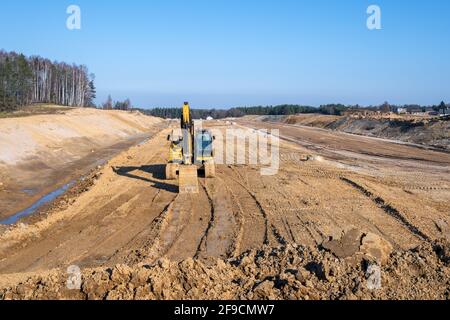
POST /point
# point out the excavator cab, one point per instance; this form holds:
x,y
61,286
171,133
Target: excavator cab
x,y
204,152
203,146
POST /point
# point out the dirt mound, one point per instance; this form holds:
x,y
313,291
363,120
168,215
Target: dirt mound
x,y
41,153
354,242
287,272
434,132
60,135
430,132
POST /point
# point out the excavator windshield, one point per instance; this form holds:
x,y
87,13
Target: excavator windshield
x,y
204,147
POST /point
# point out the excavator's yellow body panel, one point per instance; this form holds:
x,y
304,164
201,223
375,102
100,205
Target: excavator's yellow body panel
x,y
186,113
175,153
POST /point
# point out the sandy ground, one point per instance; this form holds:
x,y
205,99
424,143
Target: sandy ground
x,y
41,153
128,214
424,131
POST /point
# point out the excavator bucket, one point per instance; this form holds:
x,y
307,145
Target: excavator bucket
x,y
188,179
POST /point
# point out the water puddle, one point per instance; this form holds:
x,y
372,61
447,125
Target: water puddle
x,y
143,142
100,158
44,200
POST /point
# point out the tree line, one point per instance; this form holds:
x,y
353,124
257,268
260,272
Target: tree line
x,y
286,109
279,110
26,80
173,113
109,104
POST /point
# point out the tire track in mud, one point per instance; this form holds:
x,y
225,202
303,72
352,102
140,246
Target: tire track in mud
x,y
315,234
189,240
131,249
106,207
240,221
388,209
320,227
248,202
176,220
237,181
365,221
252,210
202,244
253,231
219,239
91,241
308,226
66,242
128,221
288,229
142,214
269,225
120,231
154,242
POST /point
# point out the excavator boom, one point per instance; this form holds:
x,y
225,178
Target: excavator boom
x,y
188,178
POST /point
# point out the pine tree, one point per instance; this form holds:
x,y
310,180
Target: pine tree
x,y
443,107
127,104
108,105
91,93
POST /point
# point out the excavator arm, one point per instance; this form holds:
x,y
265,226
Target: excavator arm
x,y
188,177
187,127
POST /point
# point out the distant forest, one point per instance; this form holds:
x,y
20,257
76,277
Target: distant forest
x,y
27,80
172,113
284,110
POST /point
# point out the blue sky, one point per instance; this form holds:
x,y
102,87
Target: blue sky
x,y
222,53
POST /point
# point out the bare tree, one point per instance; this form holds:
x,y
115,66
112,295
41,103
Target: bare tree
x,y
108,104
38,80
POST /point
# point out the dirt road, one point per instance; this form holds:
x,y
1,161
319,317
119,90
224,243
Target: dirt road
x,y
128,213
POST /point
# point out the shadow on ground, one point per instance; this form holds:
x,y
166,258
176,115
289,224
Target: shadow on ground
x,y
157,171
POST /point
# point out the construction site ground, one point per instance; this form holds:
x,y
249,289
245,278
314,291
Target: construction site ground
x,y
134,236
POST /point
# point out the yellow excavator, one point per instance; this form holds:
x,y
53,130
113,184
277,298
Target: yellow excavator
x,y
190,151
